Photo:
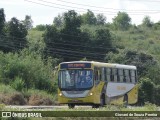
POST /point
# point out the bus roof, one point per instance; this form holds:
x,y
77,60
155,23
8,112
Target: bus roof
x,y
101,64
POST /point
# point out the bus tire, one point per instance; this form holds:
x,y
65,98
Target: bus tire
x,y
102,100
125,100
71,106
95,106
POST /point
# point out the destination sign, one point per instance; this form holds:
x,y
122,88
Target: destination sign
x,y
75,65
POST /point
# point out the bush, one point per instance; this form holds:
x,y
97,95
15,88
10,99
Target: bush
x,y
2,106
157,95
6,89
146,91
18,84
27,70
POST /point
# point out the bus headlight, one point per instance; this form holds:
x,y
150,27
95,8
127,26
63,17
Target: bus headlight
x,y
60,94
90,93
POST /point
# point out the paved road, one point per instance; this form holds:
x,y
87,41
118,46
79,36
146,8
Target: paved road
x,y
53,107
43,107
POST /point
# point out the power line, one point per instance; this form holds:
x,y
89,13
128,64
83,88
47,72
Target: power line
x,y
78,52
83,46
12,37
24,45
49,5
71,6
69,43
76,55
144,0
107,12
70,54
61,50
105,7
67,54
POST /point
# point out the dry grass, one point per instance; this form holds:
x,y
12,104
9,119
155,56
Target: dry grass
x,y
14,99
39,100
10,96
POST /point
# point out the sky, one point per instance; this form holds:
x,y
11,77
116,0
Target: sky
x,y
44,11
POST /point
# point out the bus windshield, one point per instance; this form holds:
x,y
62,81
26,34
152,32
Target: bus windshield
x,y
75,79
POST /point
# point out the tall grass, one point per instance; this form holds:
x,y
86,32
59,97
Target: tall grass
x,y
6,89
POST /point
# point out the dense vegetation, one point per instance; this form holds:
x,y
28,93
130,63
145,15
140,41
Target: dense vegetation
x,y
28,56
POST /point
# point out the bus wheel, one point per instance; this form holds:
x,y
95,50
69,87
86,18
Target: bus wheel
x,y
102,100
95,106
71,106
125,100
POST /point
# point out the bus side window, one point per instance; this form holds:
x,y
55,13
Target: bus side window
x,y
103,74
124,76
108,74
115,74
96,76
127,75
100,74
130,76
120,73
111,75
133,77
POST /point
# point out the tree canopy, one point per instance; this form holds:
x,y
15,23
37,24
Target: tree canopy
x,y
28,22
147,22
2,20
70,42
122,21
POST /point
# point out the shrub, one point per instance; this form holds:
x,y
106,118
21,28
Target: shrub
x,y
18,84
6,89
146,91
27,70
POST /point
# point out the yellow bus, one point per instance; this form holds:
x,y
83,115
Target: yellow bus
x,y
96,83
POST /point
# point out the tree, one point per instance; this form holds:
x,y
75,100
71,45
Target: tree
x,y
58,21
2,20
3,40
157,95
71,43
71,34
146,91
17,33
51,38
122,21
101,19
156,26
28,22
100,44
40,27
147,22
89,18
72,21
